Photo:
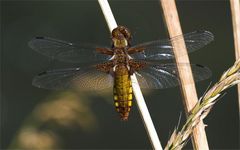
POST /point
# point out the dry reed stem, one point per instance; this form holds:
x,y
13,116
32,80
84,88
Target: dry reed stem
x,y
235,9
199,139
202,108
142,107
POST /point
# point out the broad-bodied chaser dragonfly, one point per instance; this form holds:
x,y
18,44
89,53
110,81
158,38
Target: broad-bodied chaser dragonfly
x,y
111,67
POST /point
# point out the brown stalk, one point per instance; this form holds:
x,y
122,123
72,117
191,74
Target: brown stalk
x,y
199,139
235,9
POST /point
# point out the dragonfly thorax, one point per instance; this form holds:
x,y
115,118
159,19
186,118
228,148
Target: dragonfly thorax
x,y
120,56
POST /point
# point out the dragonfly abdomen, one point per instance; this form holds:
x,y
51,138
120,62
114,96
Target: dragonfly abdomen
x,y
122,92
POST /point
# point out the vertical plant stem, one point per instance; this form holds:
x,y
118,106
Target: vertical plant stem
x,y
235,9
107,12
187,83
136,89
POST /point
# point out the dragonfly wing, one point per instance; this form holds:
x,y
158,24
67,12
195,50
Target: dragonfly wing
x,y
160,76
163,49
88,78
66,51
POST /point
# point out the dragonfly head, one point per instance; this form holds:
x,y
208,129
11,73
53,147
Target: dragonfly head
x,y
121,37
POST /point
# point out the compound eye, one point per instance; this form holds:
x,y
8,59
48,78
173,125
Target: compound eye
x,y
121,32
125,31
115,32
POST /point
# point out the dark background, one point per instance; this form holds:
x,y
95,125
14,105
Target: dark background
x,y
83,21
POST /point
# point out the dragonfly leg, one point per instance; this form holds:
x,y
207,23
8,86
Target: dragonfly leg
x,y
105,51
135,50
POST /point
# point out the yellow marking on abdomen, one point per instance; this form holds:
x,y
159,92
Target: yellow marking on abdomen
x,y
123,95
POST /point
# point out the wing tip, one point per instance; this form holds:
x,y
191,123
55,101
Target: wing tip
x,y
39,37
200,66
31,42
207,71
209,35
42,73
35,82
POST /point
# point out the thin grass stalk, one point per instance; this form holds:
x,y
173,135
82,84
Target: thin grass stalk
x,y
136,88
189,93
229,78
235,9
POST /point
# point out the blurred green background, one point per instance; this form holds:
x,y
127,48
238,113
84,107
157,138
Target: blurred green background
x,y
34,118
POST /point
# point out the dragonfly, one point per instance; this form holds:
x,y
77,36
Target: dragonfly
x,y
111,67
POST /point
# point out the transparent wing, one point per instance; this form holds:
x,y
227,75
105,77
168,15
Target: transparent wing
x,y
66,51
83,78
160,76
162,49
